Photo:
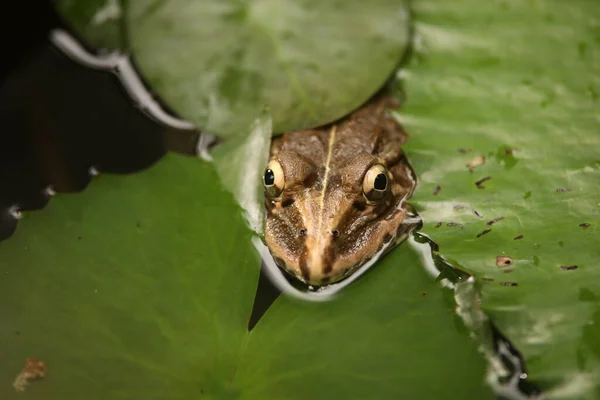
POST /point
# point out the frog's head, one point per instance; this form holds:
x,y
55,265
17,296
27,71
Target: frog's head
x,y
323,222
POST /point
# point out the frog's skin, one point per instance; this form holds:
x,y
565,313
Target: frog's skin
x,y
325,214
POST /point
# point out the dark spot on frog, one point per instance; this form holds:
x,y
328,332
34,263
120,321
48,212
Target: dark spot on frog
x,y
328,257
527,195
302,232
585,225
438,224
480,182
563,190
336,234
509,283
280,263
488,279
561,243
287,202
484,233
569,267
387,238
518,237
503,261
477,214
325,280
454,224
303,264
437,189
359,205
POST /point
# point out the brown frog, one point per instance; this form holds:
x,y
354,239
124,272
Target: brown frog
x,y
334,195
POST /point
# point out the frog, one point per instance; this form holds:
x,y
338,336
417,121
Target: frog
x,y
335,196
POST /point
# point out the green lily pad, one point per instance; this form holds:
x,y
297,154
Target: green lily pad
x,y
142,286
219,63
516,83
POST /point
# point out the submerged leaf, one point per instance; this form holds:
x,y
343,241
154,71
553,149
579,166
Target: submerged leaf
x,y
219,63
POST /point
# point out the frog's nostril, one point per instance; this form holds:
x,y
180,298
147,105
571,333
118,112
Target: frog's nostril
x,y
302,232
335,233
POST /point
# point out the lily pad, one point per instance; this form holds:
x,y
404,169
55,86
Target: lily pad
x,y
219,63
511,88
142,286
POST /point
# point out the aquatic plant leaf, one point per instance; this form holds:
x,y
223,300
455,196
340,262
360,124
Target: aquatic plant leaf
x,y
516,83
219,63
142,285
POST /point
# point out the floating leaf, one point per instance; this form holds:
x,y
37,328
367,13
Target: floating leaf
x,y
515,81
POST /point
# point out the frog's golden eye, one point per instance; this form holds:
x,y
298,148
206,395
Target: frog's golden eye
x,y
273,179
375,184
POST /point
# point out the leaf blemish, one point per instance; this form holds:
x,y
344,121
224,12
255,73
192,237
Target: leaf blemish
x,y
509,283
464,151
492,222
585,225
480,234
437,189
477,161
438,224
503,261
477,214
519,237
485,278
454,224
480,182
569,267
508,271
563,190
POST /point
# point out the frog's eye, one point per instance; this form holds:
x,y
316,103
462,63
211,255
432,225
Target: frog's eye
x,y
273,179
375,184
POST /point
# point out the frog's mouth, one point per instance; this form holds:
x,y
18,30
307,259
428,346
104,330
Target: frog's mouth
x,y
290,283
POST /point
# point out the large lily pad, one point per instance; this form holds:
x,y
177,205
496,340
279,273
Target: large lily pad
x,y
218,63
516,82
141,287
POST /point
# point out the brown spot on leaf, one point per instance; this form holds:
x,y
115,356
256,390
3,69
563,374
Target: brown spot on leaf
x,y
479,183
562,190
464,151
518,237
33,370
508,271
438,224
477,161
585,225
437,189
503,261
477,214
492,222
569,267
480,234
454,224
486,278
423,293
509,283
